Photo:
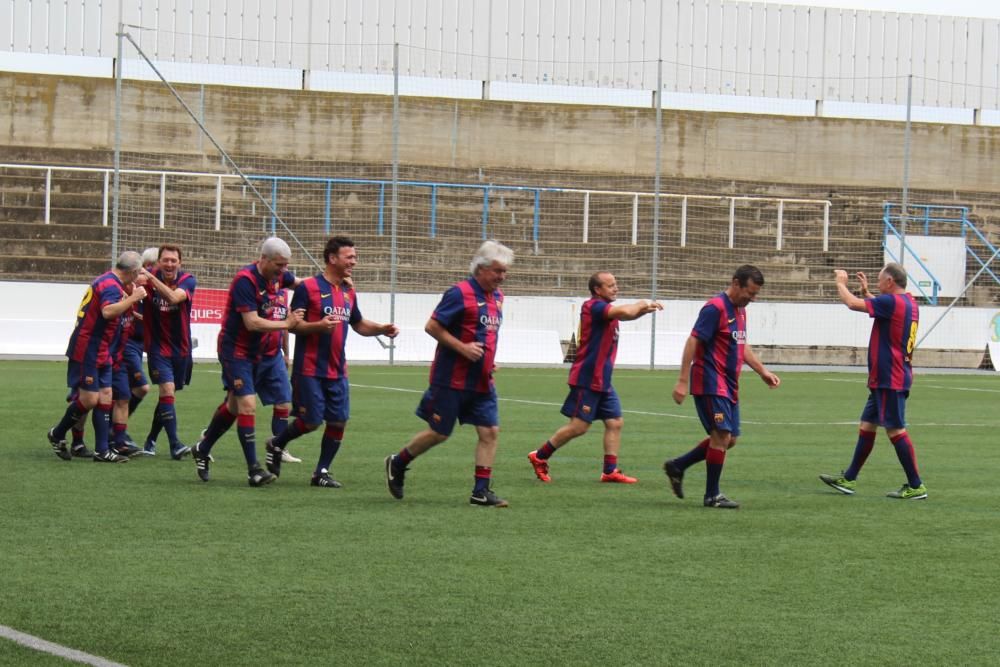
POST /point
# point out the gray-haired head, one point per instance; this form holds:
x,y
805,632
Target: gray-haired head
x,y
150,255
896,272
489,252
129,261
273,248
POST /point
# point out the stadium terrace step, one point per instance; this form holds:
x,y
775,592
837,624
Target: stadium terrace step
x,y
39,231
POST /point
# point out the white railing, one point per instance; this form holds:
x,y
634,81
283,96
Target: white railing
x,y
683,198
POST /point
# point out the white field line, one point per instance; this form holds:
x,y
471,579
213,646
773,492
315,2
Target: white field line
x,y
674,415
65,652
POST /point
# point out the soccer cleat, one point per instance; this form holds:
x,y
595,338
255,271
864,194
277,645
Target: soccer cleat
x,y
907,492
286,456
59,446
394,478
273,457
81,451
201,462
841,483
257,476
487,499
177,453
125,449
109,456
149,448
617,477
323,479
675,476
722,502
541,466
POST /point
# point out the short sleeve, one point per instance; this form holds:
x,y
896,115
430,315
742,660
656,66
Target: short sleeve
x,y
355,309
244,295
451,307
707,323
188,284
300,297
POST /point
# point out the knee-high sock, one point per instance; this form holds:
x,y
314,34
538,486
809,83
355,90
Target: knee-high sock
x,y
907,458
133,403
221,421
482,477
329,446
866,441
296,429
168,418
101,419
246,429
714,460
279,420
696,455
74,411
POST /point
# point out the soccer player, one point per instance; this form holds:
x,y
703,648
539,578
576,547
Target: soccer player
x,y
121,389
710,370
167,331
89,372
319,373
591,395
890,351
248,315
465,325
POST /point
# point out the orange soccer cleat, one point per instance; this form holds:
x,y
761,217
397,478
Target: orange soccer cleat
x,y
618,477
541,467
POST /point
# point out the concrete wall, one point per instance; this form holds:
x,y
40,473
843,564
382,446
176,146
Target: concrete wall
x,y
78,113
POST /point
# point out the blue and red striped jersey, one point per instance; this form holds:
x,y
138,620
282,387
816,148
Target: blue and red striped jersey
x,y
123,332
598,346
322,354
167,326
890,347
138,333
277,311
469,314
249,292
92,334
722,329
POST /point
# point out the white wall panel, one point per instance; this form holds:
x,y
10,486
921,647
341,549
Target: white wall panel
x,y
708,46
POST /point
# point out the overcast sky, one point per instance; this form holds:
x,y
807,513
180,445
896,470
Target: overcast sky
x,y
989,9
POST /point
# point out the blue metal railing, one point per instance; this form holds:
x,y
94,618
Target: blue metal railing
x,y
431,185
925,215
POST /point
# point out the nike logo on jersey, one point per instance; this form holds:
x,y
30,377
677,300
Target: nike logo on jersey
x,y
324,296
480,303
732,320
262,292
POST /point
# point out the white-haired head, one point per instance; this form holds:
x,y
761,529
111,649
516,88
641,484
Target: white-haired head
x,y
273,248
491,251
150,256
129,262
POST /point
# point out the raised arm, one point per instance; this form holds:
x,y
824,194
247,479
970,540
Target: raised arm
x,y
844,292
633,311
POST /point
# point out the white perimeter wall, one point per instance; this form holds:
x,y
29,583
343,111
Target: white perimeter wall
x,y
39,317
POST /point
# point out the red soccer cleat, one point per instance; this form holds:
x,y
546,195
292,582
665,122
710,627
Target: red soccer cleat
x,y
541,467
617,477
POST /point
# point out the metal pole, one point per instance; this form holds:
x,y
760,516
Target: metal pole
x,y
904,214
116,191
395,194
656,209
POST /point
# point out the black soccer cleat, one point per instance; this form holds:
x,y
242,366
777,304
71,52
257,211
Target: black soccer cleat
x,y
125,449
323,479
180,451
721,502
201,462
676,477
487,499
394,478
109,456
272,457
81,451
257,476
59,446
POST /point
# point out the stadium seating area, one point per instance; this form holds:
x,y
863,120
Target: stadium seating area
x,y
75,245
